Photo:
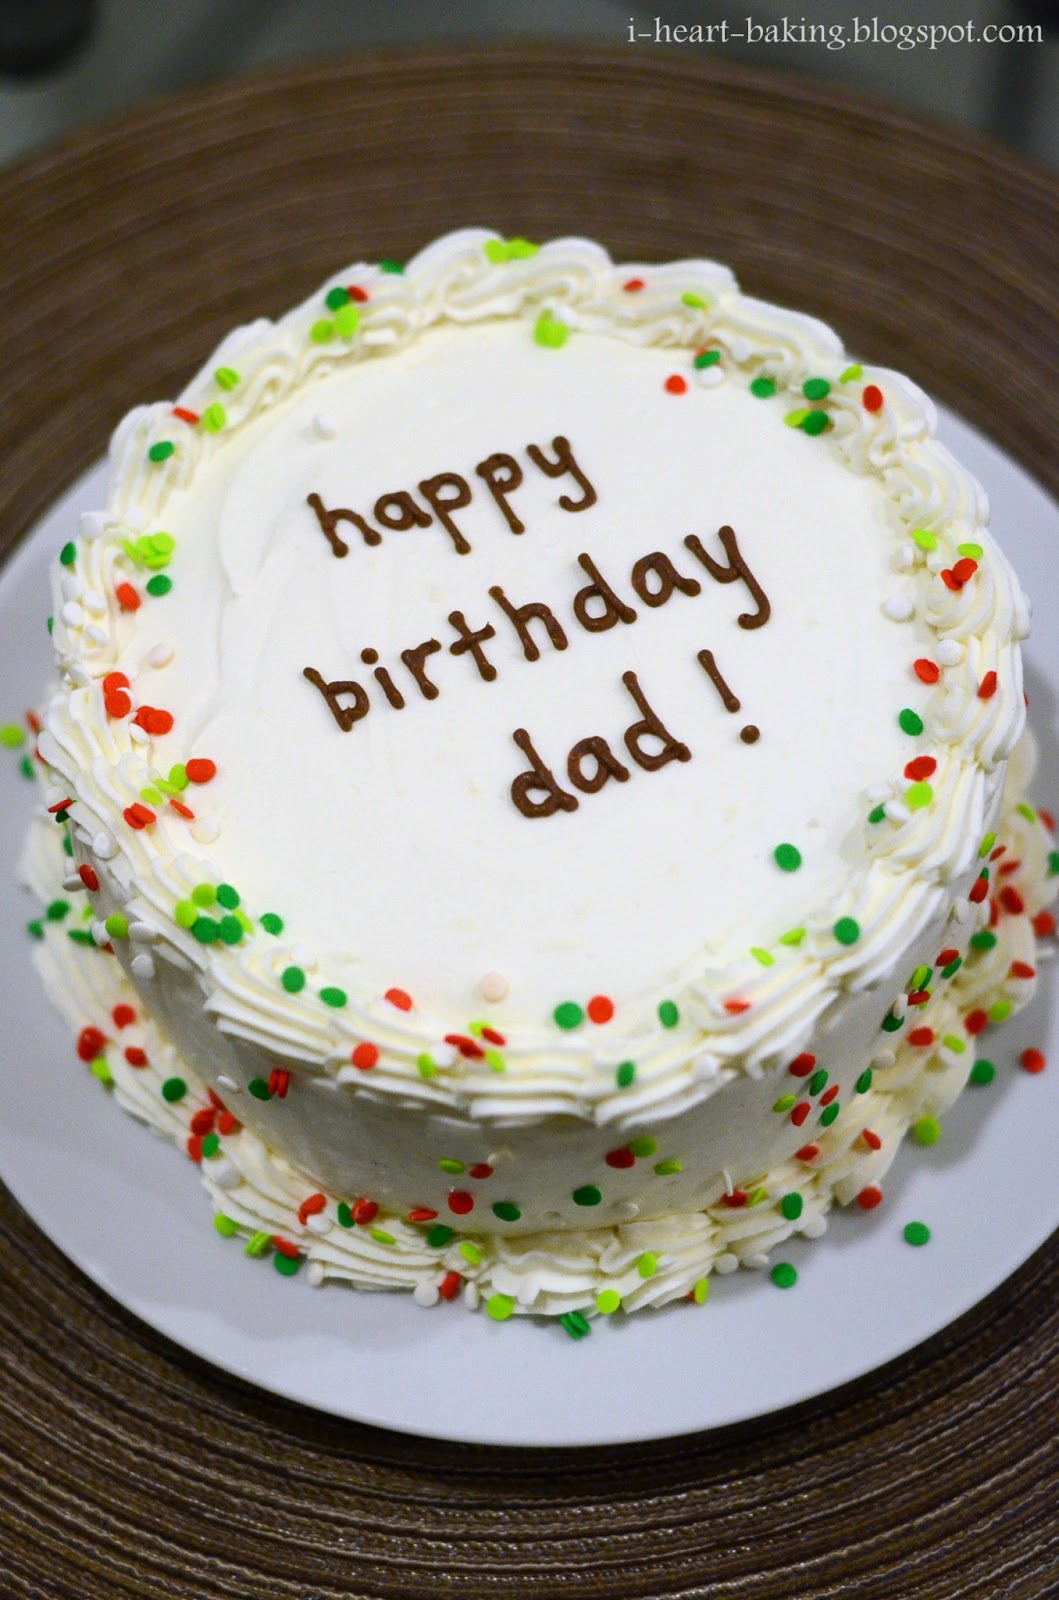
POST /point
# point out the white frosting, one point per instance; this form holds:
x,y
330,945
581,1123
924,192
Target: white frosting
x,y
394,851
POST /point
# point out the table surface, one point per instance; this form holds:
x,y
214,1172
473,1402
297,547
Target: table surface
x,y
129,1467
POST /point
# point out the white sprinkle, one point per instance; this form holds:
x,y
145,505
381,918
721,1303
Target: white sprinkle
x,y
898,607
756,1262
143,966
470,1295
725,1264
897,811
224,1082
528,1290
315,1274
104,847
626,1210
883,1059
442,1055
93,601
426,1295
142,932
324,426
729,1186
950,652
137,734
903,557
93,524
225,1174
72,614
493,986
78,674
99,932
710,377
815,1228
962,909
318,1223
900,1007
739,348
877,792
72,883
160,655
95,635
72,587
204,830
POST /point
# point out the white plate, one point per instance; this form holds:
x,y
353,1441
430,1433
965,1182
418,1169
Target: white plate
x,y
130,1212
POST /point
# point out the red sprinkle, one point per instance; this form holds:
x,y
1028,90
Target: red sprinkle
x,y
311,1206
365,1211
600,1008
735,1007
33,723
1043,924
61,805
1009,867
194,1147
872,398
829,1094
964,569
123,1015
949,579
202,1122
987,687
632,285
358,294
398,998
461,1202
921,1037
871,1139
117,703
365,1055
675,384
127,597
1021,969
919,997
152,720
481,1169
136,1056
1045,816
808,1152
467,1047
976,1022
449,1287
802,1065
227,1123
978,890
139,816
182,809
945,956
200,769
284,1247
738,1197
279,1082
998,852
422,1214
870,1197
491,1036
926,670
1033,1060
215,1099
1011,900
800,1112
620,1158
114,680
88,877
89,1043
185,415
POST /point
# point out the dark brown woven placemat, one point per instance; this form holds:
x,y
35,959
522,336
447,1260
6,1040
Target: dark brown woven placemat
x,y
130,1469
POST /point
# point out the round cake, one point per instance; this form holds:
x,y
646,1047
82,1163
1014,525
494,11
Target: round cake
x,y
540,739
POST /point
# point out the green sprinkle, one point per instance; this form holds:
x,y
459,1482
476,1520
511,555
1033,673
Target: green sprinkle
x,y
984,939
643,1145
292,979
347,321
471,1252
1026,811
211,1144
117,925
174,1089
764,958
568,1015
953,1042
666,1168
333,997
785,1102
647,1265
68,844
550,332
1053,863
983,1072
322,330
12,736
829,1113
243,920
864,1082
185,913
151,794
846,930
226,378
706,358
520,249
787,857
230,930
50,624
152,549
159,585
161,451
576,1325
271,923
972,550
925,539
1000,1010
68,554
494,1060
451,1165
227,896
257,1244
587,1195
818,1081
286,1266
852,373
439,1235
345,1215
795,419
99,1069
214,417
877,814
916,1233
63,816
700,1292
500,1307
697,302
926,1130
816,388
425,1064
792,1206
57,910
507,1211
668,1014
793,936
204,894
206,930
79,935
758,1195
381,1236
225,1226
25,766
952,968
784,1275
986,845
891,1023
35,929
918,795
178,775
336,297
259,1089
391,266
763,388
496,251
607,1302
910,722
816,422
625,1074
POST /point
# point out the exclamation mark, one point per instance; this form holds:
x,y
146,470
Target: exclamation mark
x,y
749,734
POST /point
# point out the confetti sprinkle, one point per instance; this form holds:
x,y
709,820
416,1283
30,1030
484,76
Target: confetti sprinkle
x,y
846,930
916,1233
788,857
675,384
910,722
763,388
568,1015
784,1275
1033,1060
587,1195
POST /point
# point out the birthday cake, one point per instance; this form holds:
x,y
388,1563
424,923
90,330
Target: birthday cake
x,y
539,747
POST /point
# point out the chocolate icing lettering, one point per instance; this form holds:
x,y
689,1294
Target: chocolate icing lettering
x,y
413,660
521,616
650,726
668,579
431,488
469,640
607,765
502,474
538,779
400,511
345,716
564,462
736,568
329,521
614,609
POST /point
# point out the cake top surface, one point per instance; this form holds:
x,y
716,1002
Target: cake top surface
x,y
559,633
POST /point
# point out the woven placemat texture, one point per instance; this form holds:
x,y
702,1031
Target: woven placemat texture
x,y
130,1469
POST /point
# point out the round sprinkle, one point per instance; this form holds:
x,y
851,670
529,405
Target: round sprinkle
x,y
507,1211
607,1302
675,384
846,930
333,997
643,1145
910,722
647,1265
568,1015
271,923
668,1014
829,1113
870,1197
231,930
336,297
918,795
916,1233
117,925
625,1074
12,736
460,1202
788,857
68,555
493,987
259,1089
792,1206
292,979
700,1292
600,1008
161,451
1033,1060
816,422
926,1130
174,1089
872,398
706,358
864,1082
784,1275
500,1307
399,998
816,389
159,585
983,1072
286,1265
227,896
201,769
365,1055
763,388
440,1235
225,1226
206,930
587,1195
